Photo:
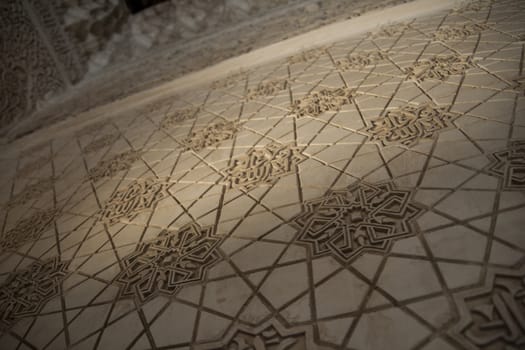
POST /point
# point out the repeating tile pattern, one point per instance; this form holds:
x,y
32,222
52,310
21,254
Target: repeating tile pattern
x,y
356,206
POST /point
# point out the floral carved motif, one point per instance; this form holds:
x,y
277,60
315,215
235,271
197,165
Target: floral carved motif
x,y
322,101
263,166
165,264
410,124
212,135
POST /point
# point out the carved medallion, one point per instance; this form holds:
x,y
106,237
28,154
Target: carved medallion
x,y
100,143
137,197
493,317
263,166
439,67
211,136
167,263
113,165
307,56
391,30
510,165
360,60
26,292
266,88
269,336
409,124
30,192
459,32
316,103
364,217
28,230
178,116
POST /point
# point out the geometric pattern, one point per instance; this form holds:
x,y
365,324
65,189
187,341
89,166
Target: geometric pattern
x,y
459,32
319,102
165,264
177,117
127,203
211,135
25,292
113,165
360,60
33,166
494,317
30,192
326,236
263,166
307,56
266,88
270,336
364,217
510,165
410,124
100,143
28,230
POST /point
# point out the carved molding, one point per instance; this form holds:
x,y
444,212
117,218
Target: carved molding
x,y
266,88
